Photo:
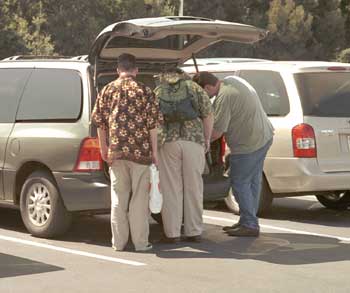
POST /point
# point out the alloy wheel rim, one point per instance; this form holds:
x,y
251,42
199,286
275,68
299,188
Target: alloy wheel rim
x,y
39,204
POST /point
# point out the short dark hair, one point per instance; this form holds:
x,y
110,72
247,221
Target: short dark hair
x,y
205,78
126,62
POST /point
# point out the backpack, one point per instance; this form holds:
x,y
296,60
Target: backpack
x,y
176,101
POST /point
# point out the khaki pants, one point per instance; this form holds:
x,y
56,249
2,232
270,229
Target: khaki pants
x,y
181,166
129,198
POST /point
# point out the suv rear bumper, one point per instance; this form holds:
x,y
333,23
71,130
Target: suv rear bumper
x,y
290,175
84,191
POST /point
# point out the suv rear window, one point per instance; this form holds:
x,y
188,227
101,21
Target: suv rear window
x,y
325,94
51,94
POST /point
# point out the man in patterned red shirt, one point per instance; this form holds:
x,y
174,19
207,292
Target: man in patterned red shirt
x,y
129,112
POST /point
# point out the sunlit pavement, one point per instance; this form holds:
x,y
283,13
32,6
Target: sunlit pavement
x,y
303,247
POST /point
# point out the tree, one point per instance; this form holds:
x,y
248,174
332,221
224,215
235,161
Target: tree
x,y
74,24
11,42
344,56
290,29
22,32
328,27
345,10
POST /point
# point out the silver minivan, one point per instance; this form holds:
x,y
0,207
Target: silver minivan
x,y
308,104
50,164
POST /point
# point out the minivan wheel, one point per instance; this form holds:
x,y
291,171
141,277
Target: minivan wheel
x,y
336,200
42,209
266,198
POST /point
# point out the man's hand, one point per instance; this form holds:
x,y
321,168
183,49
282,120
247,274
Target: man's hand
x,y
207,145
155,160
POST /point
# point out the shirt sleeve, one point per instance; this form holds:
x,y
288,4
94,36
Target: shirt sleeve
x,y
154,116
204,105
100,113
222,112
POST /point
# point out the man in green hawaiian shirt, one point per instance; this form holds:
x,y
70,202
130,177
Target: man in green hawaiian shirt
x,y
182,162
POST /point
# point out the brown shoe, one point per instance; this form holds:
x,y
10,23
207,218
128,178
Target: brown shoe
x,y
244,232
169,240
228,228
197,238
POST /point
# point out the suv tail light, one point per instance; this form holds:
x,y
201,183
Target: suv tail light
x,y
89,156
304,141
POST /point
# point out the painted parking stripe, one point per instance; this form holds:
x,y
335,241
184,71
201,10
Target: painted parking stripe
x,y
282,229
72,251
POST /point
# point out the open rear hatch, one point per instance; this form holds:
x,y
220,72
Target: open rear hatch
x,y
325,97
167,42
164,42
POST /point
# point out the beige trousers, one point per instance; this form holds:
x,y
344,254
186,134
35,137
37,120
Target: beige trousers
x,y
181,166
129,203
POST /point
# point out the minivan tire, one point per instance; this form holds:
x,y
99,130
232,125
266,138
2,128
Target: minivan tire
x,y
265,201
47,217
336,200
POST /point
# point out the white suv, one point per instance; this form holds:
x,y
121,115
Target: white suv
x,y
309,106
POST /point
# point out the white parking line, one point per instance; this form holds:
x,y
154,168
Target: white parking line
x,y
282,229
72,251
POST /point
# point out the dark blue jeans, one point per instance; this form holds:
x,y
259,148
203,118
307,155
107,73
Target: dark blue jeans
x,y
246,174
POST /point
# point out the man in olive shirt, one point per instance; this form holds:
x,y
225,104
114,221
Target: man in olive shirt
x,y
239,115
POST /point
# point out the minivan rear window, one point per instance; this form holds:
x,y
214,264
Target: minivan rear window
x,y
172,42
51,94
12,82
325,94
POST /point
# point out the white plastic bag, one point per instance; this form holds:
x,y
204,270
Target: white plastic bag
x,y
155,196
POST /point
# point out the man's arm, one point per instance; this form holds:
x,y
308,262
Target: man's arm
x,y
154,144
216,135
208,123
102,138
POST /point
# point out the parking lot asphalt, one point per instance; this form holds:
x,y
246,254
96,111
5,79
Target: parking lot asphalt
x,y
303,247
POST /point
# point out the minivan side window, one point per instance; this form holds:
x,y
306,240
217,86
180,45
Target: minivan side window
x,y
12,82
271,90
51,95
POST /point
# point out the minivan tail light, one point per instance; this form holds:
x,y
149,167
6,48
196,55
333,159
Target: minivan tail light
x,y
336,68
89,158
304,141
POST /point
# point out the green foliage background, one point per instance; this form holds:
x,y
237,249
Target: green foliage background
x,y
299,29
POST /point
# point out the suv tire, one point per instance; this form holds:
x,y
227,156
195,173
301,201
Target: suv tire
x,y
335,200
42,209
266,198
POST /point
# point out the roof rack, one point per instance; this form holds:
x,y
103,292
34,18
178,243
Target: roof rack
x,y
80,58
29,57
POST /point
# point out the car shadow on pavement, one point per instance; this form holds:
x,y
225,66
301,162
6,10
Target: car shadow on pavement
x,y
10,219
319,216
13,266
300,210
276,248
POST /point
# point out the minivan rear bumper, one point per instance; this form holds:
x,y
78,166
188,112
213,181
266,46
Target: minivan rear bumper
x,y
84,191
293,175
